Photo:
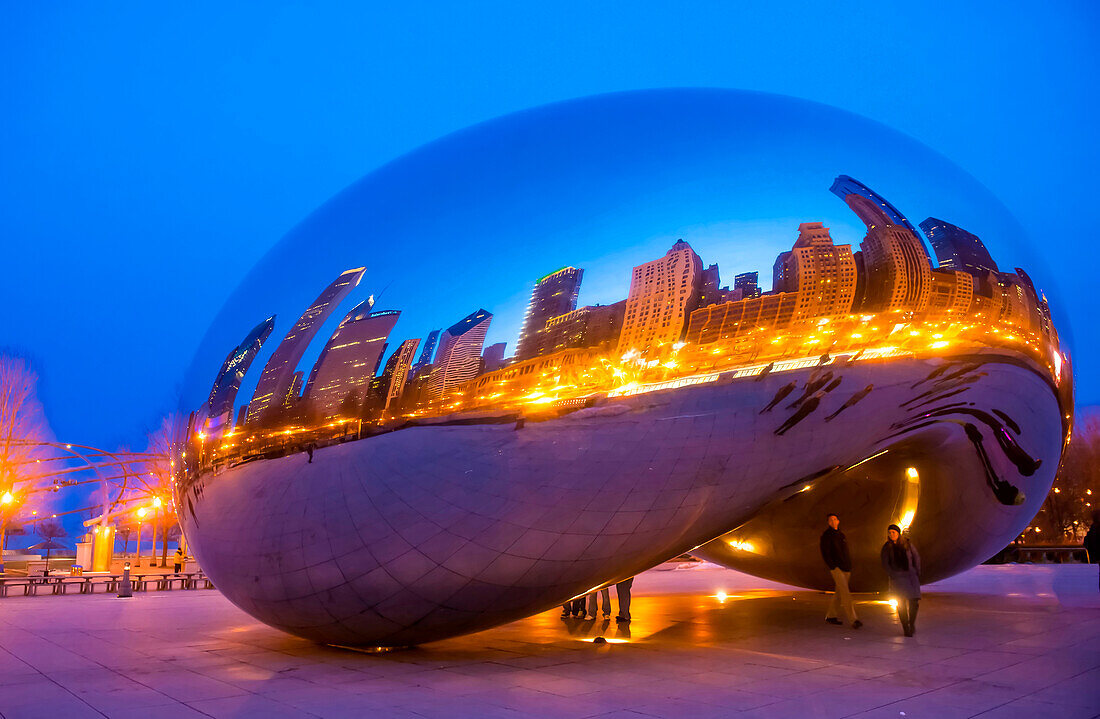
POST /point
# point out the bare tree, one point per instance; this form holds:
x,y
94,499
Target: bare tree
x,y
49,530
22,426
164,443
124,533
1072,500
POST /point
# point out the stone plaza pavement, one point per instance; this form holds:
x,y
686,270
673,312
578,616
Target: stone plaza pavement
x,y
998,641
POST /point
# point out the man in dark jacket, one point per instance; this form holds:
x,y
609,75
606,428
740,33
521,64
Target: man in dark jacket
x,y
834,550
1092,539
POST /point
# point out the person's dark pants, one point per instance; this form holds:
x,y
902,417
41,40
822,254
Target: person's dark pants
x,y
622,591
574,607
907,614
177,569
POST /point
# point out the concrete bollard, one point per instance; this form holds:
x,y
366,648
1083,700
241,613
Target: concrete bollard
x,y
125,589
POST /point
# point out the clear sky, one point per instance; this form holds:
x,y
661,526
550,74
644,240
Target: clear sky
x,y
151,154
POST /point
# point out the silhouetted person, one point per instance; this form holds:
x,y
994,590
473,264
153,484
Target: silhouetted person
x,y
1005,492
834,550
932,375
803,411
309,450
765,372
1092,540
780,395
902,565
811,387
852,401
622,592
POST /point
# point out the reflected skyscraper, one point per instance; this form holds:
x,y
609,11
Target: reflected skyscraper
x,y
493,357
662,295
594,326
823,274
274,384
397,370
957,249
748,283
554,295
350,357
426,354
224,392
899,271
459,356
871,207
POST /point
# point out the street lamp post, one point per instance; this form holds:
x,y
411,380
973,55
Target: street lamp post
x,y
7,504
141,519
156,514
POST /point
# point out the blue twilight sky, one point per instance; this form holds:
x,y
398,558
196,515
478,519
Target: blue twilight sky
x,y
150,155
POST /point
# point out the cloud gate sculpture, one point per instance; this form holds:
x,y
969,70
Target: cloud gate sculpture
x,y
371,465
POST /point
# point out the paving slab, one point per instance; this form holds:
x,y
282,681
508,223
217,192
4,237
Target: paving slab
x,y
997,641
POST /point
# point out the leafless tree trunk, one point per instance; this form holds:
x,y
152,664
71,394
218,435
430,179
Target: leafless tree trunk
x,y
22,423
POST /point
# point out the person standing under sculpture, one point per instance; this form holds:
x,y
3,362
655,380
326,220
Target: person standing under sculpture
x,y
622,591
605,595
574,607
1092,540
178,560
902,565
834,550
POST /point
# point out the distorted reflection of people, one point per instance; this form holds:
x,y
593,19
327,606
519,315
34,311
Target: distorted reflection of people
x,y
902,564
178,560
834,550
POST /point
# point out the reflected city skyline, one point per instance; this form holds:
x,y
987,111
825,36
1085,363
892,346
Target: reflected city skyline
x,y
886,299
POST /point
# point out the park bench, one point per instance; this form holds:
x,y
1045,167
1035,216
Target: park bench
x,y
6,583
61,584
86,584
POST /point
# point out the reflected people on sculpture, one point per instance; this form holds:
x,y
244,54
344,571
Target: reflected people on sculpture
x,y
391,481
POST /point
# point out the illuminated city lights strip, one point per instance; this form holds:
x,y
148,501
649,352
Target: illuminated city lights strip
x,y
629,390
784,366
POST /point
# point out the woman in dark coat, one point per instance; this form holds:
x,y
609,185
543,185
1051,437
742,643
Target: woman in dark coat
x,y
902,565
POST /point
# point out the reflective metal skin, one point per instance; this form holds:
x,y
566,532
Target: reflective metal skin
x,y
926,474
429,532
689,418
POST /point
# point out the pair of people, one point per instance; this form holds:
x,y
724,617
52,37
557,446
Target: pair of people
x,y
577,607
900,560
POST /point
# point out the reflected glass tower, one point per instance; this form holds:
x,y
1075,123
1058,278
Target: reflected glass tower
x,y
397,371
459,356
899,271
871,207
748,283
349,360
274,384
957,249
224,392
494,356
428,351
554,295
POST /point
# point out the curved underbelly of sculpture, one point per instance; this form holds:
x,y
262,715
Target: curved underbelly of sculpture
x,y
432,531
